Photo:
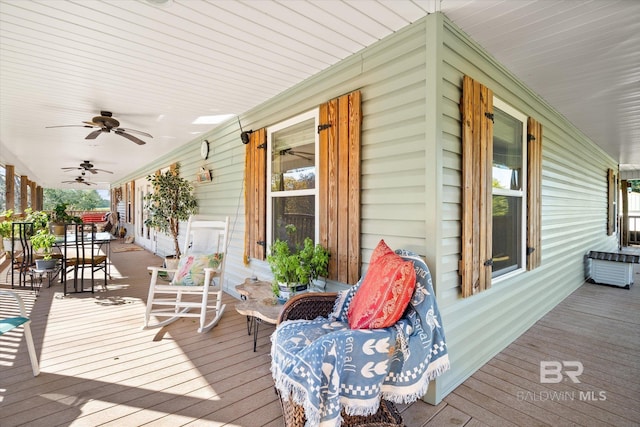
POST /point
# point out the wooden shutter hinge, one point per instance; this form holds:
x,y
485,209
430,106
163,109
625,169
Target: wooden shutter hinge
x,y
488,262
530,137
323,127
530,250
489,116
263,146
261,243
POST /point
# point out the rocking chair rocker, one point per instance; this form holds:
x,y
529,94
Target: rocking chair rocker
x,y
202,261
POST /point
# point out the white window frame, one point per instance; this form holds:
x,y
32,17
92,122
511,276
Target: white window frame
x,y
312,114
522,194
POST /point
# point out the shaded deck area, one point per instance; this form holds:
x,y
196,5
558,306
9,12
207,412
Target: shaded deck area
x,y
100,368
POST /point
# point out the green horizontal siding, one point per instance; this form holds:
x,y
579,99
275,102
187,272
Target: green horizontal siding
x,y
410,184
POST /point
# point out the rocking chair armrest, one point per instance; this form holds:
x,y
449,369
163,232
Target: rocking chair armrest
x,y
163,269
19,301
308,306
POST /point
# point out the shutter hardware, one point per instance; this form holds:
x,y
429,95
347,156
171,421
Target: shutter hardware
x,y
263,146
261,243
488,262
489,116
323,127
530,137
530,250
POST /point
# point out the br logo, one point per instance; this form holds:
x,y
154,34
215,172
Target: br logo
x,y
551,371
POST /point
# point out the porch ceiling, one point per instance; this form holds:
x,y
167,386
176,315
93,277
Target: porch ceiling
x,y
158,68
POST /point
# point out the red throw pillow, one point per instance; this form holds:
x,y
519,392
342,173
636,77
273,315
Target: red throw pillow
x,y
385,291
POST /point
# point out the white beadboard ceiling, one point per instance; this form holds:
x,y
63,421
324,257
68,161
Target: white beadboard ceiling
x,y
158,68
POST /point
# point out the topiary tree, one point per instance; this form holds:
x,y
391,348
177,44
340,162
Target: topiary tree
x,y
172,200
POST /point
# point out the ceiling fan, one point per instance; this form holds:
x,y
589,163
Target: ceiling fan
x,y
79,180
301,154
106,123
86,165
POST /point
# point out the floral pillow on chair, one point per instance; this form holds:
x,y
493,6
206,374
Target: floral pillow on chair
x,y
191,268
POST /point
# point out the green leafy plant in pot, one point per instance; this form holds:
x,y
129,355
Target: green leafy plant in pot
x,y
60,217
40,219
293,270
5,231
44,241
315,260
171,201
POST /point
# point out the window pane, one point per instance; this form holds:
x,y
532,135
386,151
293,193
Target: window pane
x,y
293,157
507,151
298,211
507,234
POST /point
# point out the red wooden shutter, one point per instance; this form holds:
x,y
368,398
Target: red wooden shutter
x,y
339,181
255,196
534,195
477,159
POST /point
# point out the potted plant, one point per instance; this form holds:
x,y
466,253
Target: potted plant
x,y
5,231
171,201
60,217
44,241
40,219
294,269
316,260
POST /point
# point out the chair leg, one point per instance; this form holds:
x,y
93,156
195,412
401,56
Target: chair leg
x,y
31,348
147,313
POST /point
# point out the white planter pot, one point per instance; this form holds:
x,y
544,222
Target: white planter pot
x,y
6,242
48,264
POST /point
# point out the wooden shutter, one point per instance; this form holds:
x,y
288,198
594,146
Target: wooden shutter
x,y
611,195
339,178
477,159
9,193
534,184
255,196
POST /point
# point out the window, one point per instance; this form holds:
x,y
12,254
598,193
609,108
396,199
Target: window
x,y
501,183
292,193
312,180
508,189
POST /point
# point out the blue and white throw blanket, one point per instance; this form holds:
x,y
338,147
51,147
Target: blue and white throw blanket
x,y
325,366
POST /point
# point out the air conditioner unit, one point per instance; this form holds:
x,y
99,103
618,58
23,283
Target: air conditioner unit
x,y
613,268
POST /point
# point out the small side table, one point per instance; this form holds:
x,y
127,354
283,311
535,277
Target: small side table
x,y
259,305
37,277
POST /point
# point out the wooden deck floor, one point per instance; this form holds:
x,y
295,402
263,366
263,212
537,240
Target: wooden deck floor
x,y
100,368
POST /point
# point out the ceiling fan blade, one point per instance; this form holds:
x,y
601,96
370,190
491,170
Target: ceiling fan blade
x,y
69,126
130,137
92,124
70,169
94,134
139,132
93,171
101,170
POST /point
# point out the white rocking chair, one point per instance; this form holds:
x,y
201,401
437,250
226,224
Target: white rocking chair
x,y
203,260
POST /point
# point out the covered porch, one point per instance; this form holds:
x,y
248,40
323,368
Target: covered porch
x,y
100,368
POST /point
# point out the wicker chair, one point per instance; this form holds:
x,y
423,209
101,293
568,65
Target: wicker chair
x,y
309,306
